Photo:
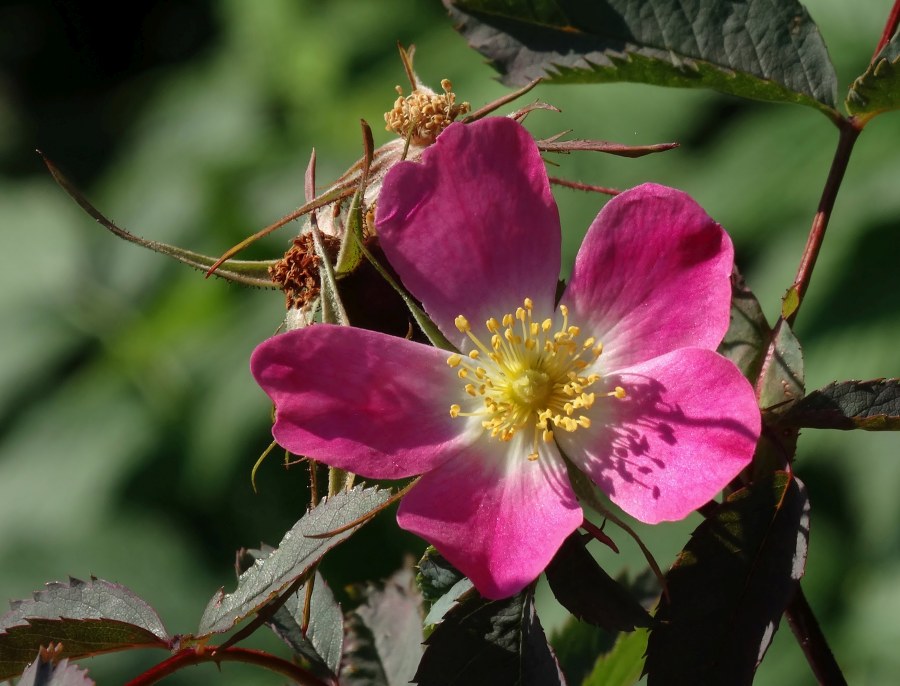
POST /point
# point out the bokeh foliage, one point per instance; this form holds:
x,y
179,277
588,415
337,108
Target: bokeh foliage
x,y
128,419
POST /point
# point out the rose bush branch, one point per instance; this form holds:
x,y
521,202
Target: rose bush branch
x,y
849,132
191,656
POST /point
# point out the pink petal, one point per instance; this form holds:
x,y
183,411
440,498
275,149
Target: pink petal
x,y
472,229
687,427
496,516
652,275
374,404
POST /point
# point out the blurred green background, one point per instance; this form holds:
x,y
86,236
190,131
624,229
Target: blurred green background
x,y
128,419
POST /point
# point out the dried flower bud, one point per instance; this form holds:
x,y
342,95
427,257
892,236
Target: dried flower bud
x,y
423,114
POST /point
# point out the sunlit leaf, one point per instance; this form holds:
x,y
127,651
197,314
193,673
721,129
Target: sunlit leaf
x,y
748,332
322,641
878,89
870,405
293,558
755,49
621,666
782,377
730,585
441,585
87,617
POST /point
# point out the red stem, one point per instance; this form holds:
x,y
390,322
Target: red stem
x,y
848,136
583,186
890,28
192,656
812,641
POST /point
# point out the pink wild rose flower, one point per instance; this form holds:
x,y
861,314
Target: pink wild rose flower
x,y
621,376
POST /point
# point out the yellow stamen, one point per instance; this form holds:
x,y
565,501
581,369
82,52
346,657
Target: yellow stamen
x,y
531,375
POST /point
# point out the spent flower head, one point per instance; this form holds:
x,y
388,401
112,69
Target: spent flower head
x,y
620,377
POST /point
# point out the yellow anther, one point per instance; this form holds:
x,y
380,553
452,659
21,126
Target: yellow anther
x,y
529,375
598,350
619,392
532,457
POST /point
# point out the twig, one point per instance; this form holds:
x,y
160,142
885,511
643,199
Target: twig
x,y
191,656
575,185
812,641
848,136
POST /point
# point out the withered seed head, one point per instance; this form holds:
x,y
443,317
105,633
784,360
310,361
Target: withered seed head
x,y
297,273
423,114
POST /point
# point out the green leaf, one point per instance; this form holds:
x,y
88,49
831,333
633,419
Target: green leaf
x,y
589,593
436,576
441,585
878,89
322,642
870,405
46,671
293,558
385,634
730,585
622,665
748,332
489,643
577,645
755,49
781,381
87,617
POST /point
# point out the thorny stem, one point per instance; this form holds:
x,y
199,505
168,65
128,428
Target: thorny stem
x,y
800,617
849,133
890,28
575,185
812,641
192,656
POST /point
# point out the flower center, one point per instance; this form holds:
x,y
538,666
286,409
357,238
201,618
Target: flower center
x,y
528,376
